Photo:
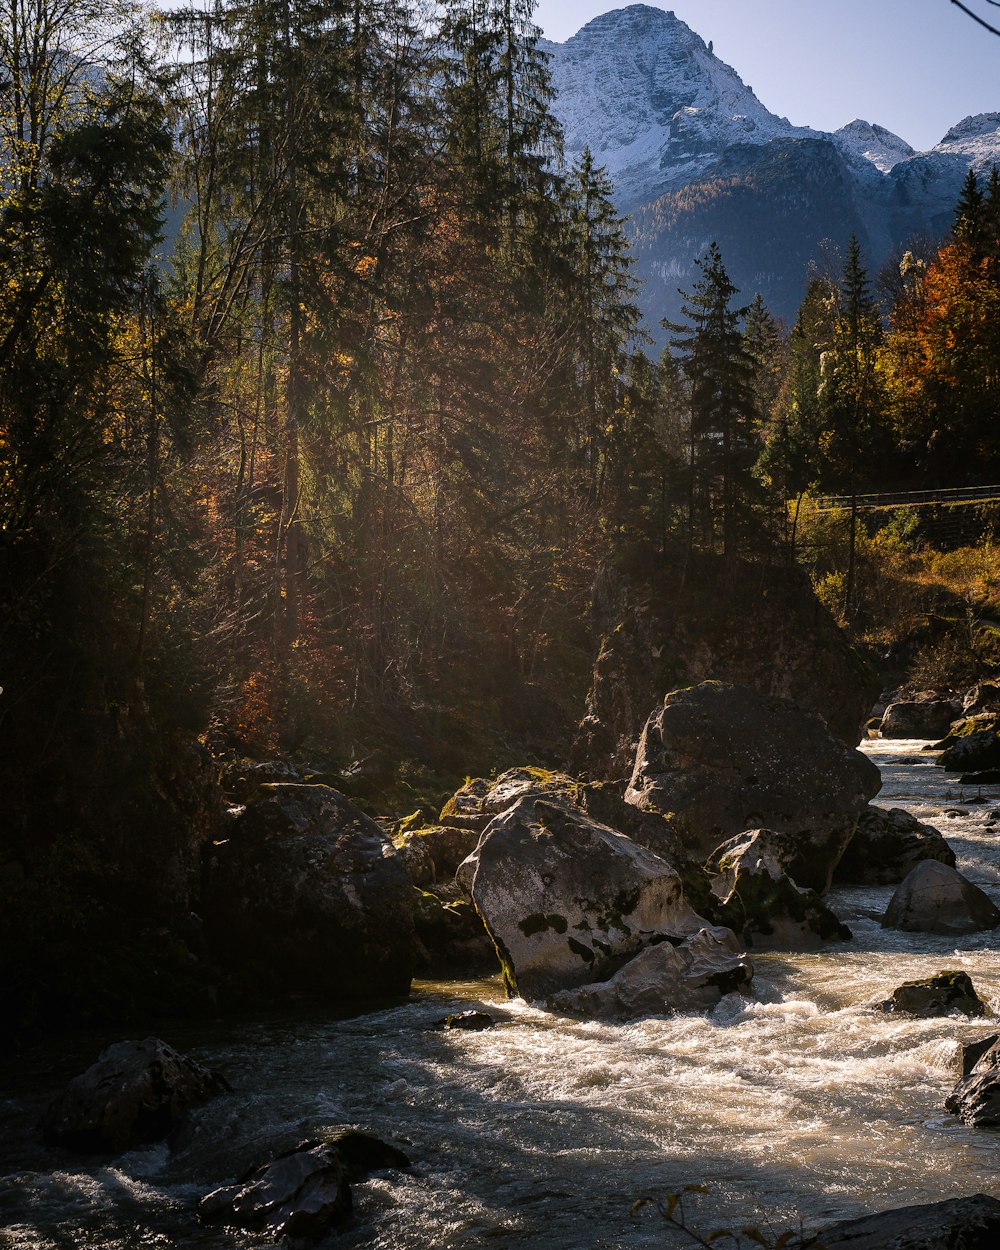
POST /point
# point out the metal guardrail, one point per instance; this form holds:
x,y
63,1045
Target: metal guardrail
x,y
910,498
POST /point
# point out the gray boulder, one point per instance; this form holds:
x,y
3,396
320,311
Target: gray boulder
x,y
722,759
433,854
761,903
691,976
919,718
307,893
941,995
568,900
887,844
971,1223
936,899
135,1092
976,1097
982,698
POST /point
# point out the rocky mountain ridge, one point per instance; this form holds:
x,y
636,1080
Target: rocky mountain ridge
x,y
696,157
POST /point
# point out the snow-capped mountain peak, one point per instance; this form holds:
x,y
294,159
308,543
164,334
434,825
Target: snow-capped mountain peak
x,y
976,138
652,100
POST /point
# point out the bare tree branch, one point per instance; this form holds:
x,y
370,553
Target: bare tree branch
x,y
975,16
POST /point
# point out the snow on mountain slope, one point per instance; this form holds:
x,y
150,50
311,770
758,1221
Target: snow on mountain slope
x,y
875,144
976,138
652,101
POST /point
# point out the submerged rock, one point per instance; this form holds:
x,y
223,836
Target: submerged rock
x,y
761,903
722,759
303,1192
307,893
470,1021
135,1092
887,845
939,995
971,1223
936,899
976,1097
691,976
567,900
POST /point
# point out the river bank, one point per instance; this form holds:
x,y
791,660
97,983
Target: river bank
x,y
542,1131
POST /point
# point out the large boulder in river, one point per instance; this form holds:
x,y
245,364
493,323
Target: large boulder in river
x,y
976,1097
722,759
480,799
308,894
887,844
684,617
971,1223
936,899
943,994
761,903
919,718
975,746
690,976
135,1092
568,900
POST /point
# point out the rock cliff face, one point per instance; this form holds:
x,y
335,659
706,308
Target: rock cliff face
x,y
695,620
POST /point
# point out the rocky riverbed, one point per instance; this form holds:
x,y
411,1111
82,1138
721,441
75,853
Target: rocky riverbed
x,y
542,1131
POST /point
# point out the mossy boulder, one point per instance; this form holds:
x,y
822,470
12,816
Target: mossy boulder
x,y
934,898
568,900
479,800
761,903
887,845
975,747
433,854
308,894
722,759
944,994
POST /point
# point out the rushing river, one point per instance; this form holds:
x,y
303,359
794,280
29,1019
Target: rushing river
x,y
542,1132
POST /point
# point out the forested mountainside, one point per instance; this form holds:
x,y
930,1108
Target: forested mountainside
x,y
696,157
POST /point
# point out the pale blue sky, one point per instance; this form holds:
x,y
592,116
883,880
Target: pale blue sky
x,y
916,66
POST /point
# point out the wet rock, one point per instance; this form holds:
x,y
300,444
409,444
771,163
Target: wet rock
x,y
566,899
479,800
308,894
941,995
970,1054
761,903
691,976
473,1021
919,718
723,759
303,1193
887,845
971,1223
976,1097
936,899
135,1092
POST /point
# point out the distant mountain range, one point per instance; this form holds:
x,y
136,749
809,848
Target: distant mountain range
x,y
696,157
